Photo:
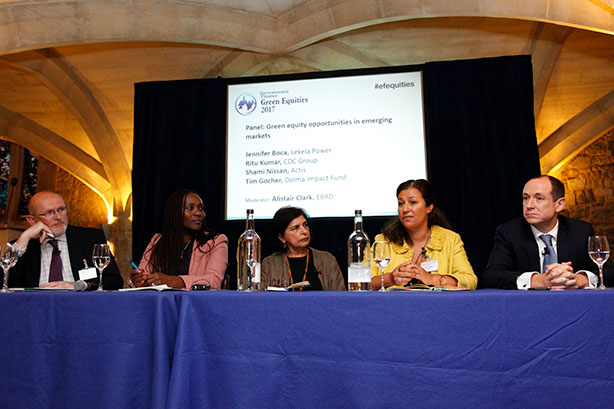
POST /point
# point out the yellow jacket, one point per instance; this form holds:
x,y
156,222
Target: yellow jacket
x,y
445,246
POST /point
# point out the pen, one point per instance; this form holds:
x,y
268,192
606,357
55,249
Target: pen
x,y
134,265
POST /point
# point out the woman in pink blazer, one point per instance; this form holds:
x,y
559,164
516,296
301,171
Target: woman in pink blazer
x,y
187,252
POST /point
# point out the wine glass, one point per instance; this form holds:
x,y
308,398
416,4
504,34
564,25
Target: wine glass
x,y
8,258
252,250
251,263
381,256
101,256
599,251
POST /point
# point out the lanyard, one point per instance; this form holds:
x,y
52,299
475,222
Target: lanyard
x,y
290,271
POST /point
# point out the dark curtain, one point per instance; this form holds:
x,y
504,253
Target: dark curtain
x,y
480,140
481,143
179,142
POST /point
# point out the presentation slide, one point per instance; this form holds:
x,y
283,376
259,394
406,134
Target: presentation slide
x,y
330,145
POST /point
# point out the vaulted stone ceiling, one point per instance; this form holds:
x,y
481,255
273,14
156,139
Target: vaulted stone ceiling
x,y
68,68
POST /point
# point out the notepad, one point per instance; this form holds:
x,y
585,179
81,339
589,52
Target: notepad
x,y
302,284
424,287
162,287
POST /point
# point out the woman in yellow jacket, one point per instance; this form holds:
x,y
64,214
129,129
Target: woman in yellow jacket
x,y
423,248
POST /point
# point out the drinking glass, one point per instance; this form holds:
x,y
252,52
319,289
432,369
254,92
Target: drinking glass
x,y
251,263
8,258
101,256
381,256
599,251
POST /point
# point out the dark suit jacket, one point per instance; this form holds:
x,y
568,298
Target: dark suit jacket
x,y
80,240
515,252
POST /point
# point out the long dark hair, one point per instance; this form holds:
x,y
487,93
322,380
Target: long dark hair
x,y
394,229
281,220
166,252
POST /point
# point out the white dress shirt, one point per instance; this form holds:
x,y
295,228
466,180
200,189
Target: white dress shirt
x,y
523,282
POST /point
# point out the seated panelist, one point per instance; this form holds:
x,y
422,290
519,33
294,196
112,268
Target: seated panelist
x,y
296,261
187,252
543,249
423,248
51,252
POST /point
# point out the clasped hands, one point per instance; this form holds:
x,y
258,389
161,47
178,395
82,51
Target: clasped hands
x,y
559,276
408,270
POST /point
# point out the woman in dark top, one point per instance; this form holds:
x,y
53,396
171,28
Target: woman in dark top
x,y
296,261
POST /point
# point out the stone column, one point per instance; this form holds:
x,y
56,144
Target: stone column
x,y
121,241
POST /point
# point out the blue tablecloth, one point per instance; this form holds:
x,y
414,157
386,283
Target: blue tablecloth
x,y
221,349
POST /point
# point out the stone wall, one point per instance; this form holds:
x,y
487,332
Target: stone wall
x,y
589,185
86,208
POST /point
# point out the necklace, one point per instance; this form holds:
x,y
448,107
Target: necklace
x,y
184,249
422,253
290,271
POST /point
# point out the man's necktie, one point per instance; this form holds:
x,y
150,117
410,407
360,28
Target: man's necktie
x,y
549,255
55,269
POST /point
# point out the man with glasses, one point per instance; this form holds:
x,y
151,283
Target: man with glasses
x,y
51,252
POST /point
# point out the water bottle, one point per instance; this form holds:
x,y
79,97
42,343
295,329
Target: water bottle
x,y
359,260
248,257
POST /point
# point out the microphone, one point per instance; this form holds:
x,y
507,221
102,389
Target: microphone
x,y
81,285
13,182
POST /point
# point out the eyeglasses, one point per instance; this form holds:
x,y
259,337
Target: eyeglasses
x,y
50,213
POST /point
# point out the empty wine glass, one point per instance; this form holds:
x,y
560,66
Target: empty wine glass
x,y
101,256
8,258
251,263
599,251
381,256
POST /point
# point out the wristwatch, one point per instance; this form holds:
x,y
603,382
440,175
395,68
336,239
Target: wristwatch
x,y
442,280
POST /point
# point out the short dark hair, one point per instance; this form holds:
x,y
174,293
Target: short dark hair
x,y
558,189
281,220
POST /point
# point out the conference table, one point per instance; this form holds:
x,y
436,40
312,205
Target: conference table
x,y
223,349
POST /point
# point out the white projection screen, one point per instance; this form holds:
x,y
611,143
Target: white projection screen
x,y
328,145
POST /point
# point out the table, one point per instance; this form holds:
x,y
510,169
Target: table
x,y
222,349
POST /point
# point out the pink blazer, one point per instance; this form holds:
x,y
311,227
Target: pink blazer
x,y
206,266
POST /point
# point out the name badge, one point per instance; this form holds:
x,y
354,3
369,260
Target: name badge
x,y
430,266
87,273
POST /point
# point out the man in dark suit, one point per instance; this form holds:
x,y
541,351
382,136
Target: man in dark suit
x,y
51,252
543,249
